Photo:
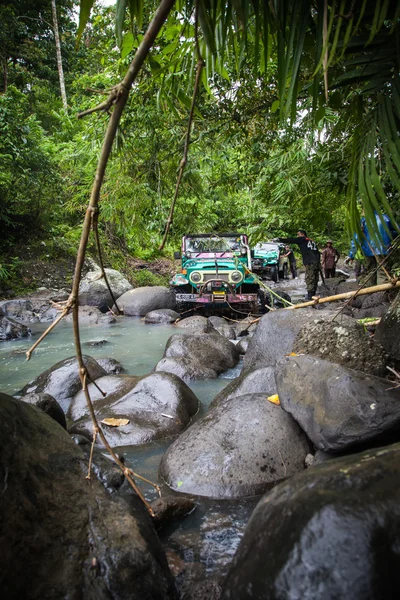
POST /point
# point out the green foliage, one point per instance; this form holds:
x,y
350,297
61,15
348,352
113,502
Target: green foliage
x,y
268,154
28,169
145,277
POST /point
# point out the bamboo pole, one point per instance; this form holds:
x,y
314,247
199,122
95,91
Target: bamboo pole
x,y
370,290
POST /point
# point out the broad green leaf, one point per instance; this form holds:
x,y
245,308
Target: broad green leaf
x,y
120,11
275,106
127,44
84,14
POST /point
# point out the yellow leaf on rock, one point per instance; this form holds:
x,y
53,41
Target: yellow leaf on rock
x,y
274,399
115,422
292,354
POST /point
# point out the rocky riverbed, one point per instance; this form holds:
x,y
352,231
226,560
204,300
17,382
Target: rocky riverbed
x,y
234,421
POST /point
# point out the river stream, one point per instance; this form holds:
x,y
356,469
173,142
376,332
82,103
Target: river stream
x,y
203,543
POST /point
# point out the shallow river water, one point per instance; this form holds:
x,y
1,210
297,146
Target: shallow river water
x,y
203,543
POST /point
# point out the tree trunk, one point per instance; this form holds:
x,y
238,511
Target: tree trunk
x,y
58,52
5,75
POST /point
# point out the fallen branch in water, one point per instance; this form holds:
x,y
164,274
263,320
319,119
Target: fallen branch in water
x,y
371,290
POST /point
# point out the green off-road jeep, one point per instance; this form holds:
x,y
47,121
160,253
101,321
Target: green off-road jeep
x,y
216,271
268,261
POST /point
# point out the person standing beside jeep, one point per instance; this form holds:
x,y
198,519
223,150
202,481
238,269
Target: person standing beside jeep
x,y
311,259
292,261
329,258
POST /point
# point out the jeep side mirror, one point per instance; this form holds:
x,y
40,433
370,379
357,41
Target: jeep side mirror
x,y
177,255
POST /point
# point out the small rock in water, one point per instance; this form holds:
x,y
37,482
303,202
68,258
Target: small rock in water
x,y
96,343
171,508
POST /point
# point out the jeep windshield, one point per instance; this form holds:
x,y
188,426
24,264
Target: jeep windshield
x,y
197,246
266,247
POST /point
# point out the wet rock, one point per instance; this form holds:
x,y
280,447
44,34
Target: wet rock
x,y
49,315
186,369
196,323
142,300
388,331
320,457
163,315
338,408
374,305
261,381
104,468
274,337
47,404
343,341
93,290
62,380
11,330
19,309
239,448
217,321
110,365
332,284
95,343
278,303
198,356
170,508
243,345
329,532
227,331
107,552
246,327
156,406
92,315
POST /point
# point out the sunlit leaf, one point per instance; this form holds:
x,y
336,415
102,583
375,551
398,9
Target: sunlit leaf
x,y
111,422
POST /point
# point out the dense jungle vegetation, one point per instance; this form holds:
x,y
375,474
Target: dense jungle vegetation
x,y
289,131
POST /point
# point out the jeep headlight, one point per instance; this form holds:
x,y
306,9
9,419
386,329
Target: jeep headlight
x,y
236,276
195,277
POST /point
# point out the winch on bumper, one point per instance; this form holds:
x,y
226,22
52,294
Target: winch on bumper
x,y
217,298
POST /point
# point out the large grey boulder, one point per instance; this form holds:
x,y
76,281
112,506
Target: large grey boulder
x,y
62,536
343,341
197,324
91,315
12,330
198,356
331,532
162,315
62,381
274,337
338,408
142,300
374,305
261,381
93,290
20,309
239,448
155,406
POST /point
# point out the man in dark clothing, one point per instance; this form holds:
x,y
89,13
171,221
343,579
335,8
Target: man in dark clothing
x,y
311,259
329,258
292,261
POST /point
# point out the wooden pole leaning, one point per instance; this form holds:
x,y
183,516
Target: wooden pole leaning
x,y
346,295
